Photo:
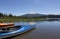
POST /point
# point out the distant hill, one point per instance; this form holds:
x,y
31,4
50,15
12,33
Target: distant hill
x,y
32,15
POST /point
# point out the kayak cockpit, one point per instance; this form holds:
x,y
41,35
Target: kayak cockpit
x,y
8,27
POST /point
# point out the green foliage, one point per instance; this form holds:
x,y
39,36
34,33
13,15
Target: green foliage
x,y
10,15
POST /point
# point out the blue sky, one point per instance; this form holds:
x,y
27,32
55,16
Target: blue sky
x,y
20,7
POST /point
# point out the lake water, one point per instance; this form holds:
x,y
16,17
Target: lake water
x,y
43,30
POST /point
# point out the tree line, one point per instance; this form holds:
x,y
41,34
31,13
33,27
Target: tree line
x,y
44,16
53,16
5,15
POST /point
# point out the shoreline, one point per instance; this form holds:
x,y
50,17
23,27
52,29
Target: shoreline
x,y
2,20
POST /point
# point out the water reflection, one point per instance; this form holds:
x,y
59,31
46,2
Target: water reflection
x,y
25,23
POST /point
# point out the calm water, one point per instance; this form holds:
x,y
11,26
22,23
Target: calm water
x,y
43,30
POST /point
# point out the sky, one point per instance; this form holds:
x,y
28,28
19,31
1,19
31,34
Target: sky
x,y
21,7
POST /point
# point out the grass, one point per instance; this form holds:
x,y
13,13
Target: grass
x,y
15,19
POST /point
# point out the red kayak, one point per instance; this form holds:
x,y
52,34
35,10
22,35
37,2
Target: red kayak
x,y
6,24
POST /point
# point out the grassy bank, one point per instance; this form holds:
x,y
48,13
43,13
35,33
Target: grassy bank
x,y
16,19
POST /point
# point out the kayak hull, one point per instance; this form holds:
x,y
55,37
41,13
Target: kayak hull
x,y
22,29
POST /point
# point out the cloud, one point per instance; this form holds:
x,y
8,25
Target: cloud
x,y
33,12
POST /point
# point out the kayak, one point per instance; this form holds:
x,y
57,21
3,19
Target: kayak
x,y
16,31
6,24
